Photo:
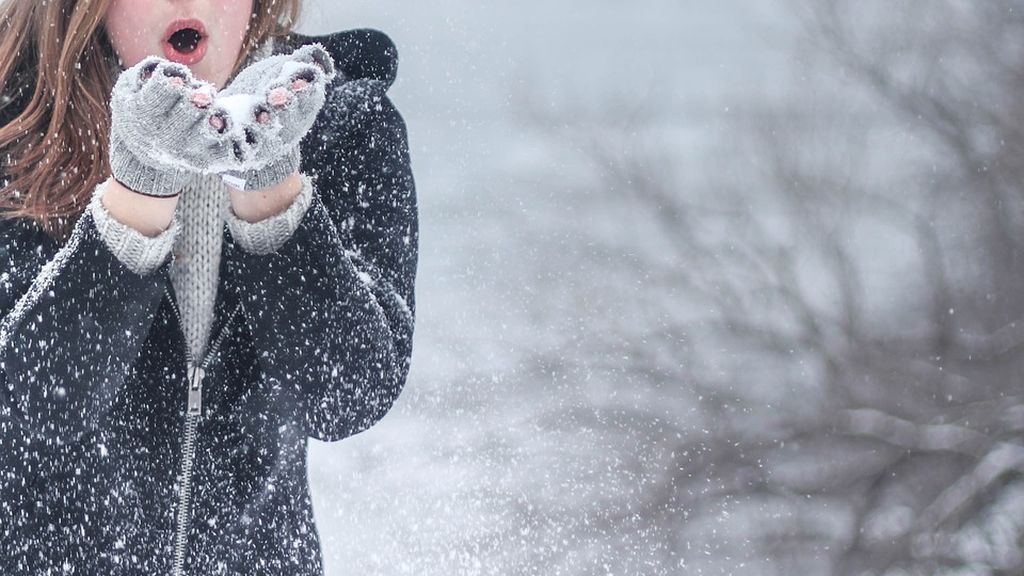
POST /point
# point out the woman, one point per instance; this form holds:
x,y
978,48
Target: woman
x,y
187,292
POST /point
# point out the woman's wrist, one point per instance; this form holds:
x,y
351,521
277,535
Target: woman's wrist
x,y
255,205
149,215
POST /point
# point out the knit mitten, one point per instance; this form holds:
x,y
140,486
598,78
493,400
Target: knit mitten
x,y
269,107
162,131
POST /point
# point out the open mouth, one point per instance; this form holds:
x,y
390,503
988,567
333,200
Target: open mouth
x,y
185,41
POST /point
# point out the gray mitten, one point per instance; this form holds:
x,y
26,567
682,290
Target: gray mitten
x,y
162,134
269,107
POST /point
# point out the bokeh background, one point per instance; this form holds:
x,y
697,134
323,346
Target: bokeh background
x,y
705,287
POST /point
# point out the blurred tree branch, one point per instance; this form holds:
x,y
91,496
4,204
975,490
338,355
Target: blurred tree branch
x,y
892,405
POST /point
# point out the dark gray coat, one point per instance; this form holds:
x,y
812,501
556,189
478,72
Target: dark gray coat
x,y
316,341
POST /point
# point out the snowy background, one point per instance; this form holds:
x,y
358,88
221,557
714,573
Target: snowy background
x,y
705,287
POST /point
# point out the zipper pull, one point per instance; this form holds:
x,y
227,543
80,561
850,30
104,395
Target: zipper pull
x,y
195,389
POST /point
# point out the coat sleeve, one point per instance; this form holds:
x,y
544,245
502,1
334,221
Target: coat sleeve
x,y
73,322
332,310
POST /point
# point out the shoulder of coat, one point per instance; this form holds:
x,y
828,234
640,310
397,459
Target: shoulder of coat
x,y
358,53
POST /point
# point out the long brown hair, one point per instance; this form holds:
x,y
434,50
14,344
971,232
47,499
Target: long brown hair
x,y
58,67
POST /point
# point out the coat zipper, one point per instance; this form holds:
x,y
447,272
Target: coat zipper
x,y
194,376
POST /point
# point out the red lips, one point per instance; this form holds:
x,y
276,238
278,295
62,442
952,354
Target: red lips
x,y
184,41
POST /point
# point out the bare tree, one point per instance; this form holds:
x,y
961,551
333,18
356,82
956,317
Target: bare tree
x,y
838,290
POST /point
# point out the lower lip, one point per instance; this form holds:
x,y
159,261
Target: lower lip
x,y
187,59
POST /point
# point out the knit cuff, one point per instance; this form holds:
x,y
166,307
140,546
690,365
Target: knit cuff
x,y
144,179
271,174
269,234
140,253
